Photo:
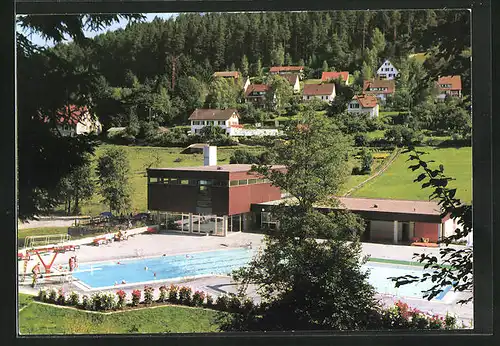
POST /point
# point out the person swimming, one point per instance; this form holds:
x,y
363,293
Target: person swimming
x,y
146,268
154,274
124,282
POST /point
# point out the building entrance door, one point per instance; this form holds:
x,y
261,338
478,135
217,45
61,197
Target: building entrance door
x,y
406,231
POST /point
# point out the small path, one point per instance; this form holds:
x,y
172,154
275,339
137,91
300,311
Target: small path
x,y
376,174
45,223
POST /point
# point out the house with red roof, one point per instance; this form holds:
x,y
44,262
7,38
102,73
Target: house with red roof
x,y
257,94
364,104
449,86
283,70
224,118
75,120
328,76
323,91
294,81
379,88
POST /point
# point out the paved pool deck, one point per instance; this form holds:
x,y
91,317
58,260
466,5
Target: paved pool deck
x,y
153,245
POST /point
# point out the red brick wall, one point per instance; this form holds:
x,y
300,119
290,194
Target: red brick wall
x,y
241,197
427,230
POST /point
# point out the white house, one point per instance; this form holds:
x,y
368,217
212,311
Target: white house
x,y
324,92
246,84
387,71
224,118
364,104
294,81
74,120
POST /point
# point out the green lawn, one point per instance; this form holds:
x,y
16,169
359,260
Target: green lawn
x,y
23,233
312,81
420,57
397,181
43,319
377,134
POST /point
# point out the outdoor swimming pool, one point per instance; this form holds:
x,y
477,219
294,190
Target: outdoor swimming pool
x,y
222,262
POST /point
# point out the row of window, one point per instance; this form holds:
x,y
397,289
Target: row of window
x,y
448,86
378,89
388,69
208,122
321,97
196,182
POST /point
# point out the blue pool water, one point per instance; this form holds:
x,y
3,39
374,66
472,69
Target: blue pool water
x,y
222,262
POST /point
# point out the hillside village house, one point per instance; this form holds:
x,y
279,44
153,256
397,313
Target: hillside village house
x,y
379,88
227,74
293,79
327,76
74,120
387,71
449,86
257,94
283,70
324,92
364,104
246,84
224,118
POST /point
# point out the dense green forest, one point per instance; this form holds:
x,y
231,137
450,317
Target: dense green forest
x,y
163,68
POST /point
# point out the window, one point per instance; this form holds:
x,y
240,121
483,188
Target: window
x,y
392,69
252,181
354,105
184,182
234,183
243,182
205,182
153,180
220,183
174,181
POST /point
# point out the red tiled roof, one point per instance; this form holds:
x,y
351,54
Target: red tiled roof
x,y
455,81
257,88
71,115
319,89
379,83
291,78
286,68
213,114
325,76
366,101
234,74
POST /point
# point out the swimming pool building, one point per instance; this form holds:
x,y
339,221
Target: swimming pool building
x,y
220,199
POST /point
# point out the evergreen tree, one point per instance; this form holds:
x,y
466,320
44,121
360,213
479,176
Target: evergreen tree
x,y
278,56
244,66
325,66
112,172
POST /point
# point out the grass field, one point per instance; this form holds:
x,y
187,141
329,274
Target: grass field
x,y
23,233
36,318
397,181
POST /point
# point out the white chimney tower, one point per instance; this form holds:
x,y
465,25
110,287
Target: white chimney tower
x,y
209,155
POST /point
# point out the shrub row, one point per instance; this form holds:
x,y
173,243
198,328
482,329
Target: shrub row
x,y
180,295
399,316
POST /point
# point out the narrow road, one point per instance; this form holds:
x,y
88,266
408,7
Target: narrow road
x,y
45,223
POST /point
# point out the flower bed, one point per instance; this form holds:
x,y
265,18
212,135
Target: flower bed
x,y
399,316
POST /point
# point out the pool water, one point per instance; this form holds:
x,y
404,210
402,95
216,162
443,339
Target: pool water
x,y
223,262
